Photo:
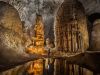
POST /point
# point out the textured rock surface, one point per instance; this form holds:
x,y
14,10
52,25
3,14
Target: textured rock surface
x,y
66,26
70,32
95,41
10,32
28,8
8,20
12,40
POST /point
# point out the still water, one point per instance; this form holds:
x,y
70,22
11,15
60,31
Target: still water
x,y
48,67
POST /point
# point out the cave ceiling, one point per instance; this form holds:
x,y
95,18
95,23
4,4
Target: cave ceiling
x,y
47,8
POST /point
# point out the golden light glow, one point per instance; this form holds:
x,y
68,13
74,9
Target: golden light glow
x,y
36,67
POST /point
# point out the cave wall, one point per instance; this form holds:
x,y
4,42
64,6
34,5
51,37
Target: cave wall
x,y
67,27
95,36
47,8
19,30
70,24
12,38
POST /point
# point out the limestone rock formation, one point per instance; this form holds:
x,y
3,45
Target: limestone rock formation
x,y
71,32
12,39
95,38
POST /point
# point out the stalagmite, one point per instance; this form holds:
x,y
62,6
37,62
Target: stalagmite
x,y
12,40
36,67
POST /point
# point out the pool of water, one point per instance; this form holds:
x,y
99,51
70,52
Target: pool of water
x,y
48,67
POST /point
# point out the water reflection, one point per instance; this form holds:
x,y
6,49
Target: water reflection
x,y
63,68
36,68
49,67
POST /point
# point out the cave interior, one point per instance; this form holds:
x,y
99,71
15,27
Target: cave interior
x,y
49,37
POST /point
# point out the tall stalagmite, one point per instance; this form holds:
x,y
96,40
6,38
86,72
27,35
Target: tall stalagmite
x,y
36,67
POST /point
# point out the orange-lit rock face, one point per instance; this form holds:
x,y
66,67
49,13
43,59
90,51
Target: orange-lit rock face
x,y
36,67
38,38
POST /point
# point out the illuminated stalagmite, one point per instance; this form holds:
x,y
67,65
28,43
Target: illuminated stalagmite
x,y
36,67
71,34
